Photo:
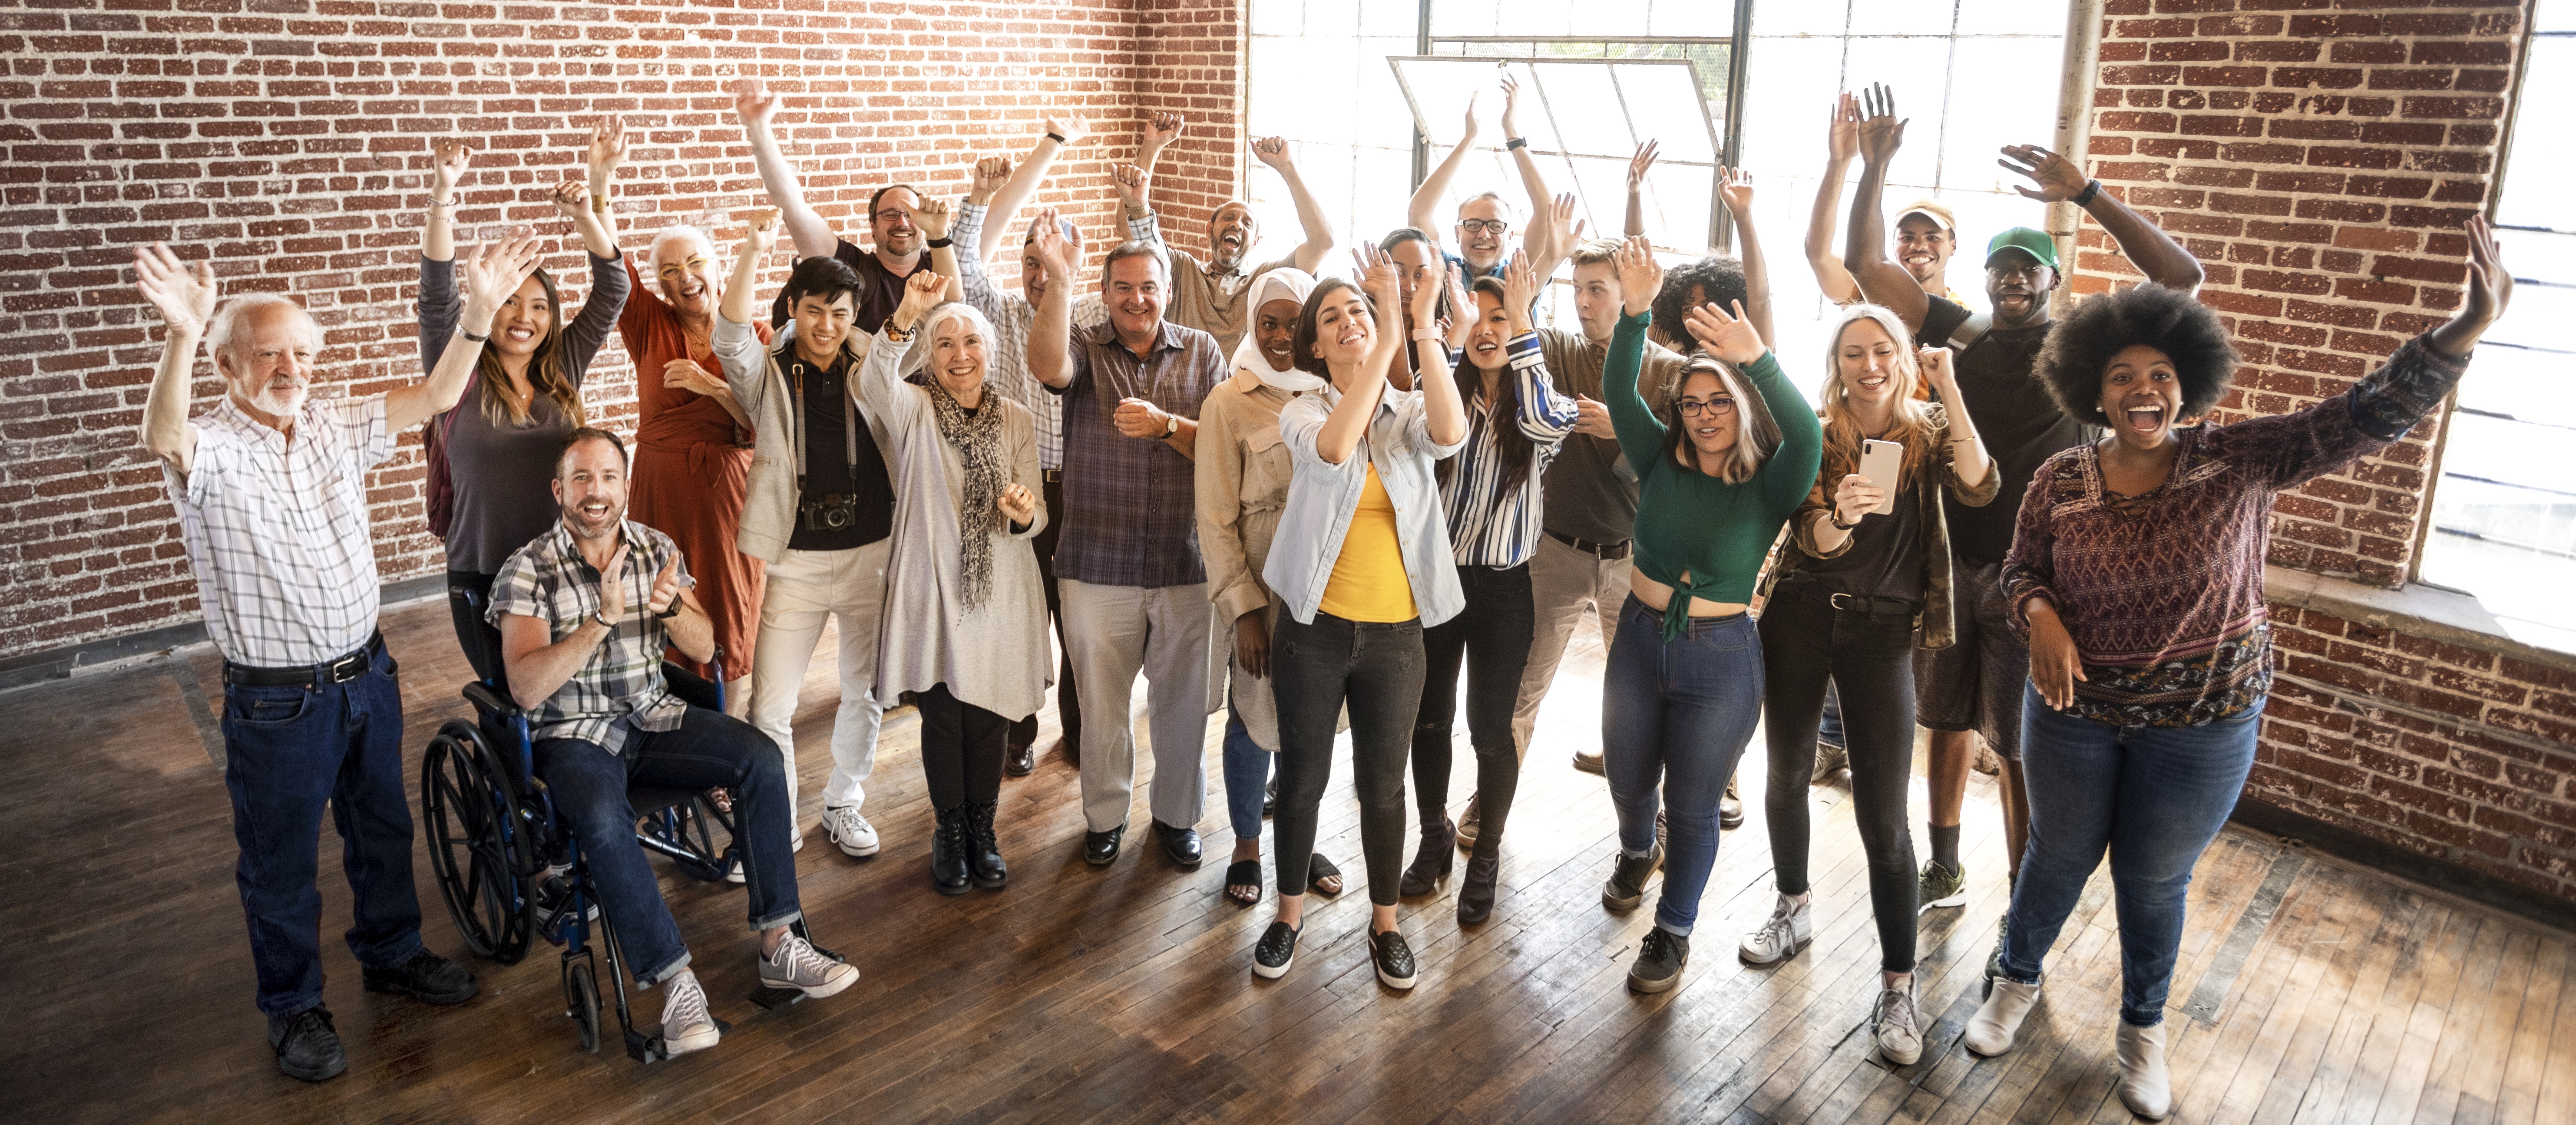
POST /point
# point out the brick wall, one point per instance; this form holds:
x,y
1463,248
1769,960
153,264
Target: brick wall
x,y
2319,158
289,139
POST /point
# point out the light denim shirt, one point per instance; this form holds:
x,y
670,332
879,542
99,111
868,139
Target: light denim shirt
x,y
1323,496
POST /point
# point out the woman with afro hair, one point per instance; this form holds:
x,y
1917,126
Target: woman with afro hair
x,y
2137,574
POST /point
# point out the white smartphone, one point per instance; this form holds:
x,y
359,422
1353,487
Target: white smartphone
x,y
1883,462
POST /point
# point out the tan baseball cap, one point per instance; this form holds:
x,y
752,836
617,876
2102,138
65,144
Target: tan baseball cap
x,y
1933,211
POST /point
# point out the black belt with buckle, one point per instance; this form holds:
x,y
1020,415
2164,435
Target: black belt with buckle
x,y
339,671
1875,607
1054,476
1606,552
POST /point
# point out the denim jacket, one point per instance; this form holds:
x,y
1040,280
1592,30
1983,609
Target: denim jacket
x,y
1323,496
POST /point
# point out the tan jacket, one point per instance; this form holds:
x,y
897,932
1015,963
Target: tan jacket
x,y
1242,483
1935,627
751,369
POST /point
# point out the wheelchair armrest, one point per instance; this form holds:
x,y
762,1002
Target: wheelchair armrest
x,y
491,703
693,689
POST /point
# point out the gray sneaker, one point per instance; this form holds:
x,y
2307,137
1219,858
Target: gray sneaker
x,y
798,965
1894,1023
686,1026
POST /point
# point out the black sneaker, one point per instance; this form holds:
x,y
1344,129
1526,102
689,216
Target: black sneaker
x,y
306,1045
1394,959
1627,884
1659,961
1276,950
427,976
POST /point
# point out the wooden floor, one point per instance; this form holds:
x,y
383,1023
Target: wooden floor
x,y
2308,991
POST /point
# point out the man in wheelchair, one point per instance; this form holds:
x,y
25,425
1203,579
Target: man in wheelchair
x,y
585,612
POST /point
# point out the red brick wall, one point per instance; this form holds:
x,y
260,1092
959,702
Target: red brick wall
x,y
289,139
2319,158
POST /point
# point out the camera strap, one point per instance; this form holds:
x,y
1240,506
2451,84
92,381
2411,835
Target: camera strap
x,y
849,427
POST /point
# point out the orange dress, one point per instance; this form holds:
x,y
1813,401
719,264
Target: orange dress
x,y
691,466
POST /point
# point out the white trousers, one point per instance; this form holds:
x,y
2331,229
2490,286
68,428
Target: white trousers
x,y
804,589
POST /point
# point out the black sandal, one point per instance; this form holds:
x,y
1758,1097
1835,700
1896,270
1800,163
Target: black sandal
x,y
1319,869
1245,873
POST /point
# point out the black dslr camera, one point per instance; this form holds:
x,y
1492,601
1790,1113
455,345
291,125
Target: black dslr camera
x,y
831,511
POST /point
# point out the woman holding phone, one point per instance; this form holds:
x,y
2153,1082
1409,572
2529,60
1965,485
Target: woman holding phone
x,y
1864,581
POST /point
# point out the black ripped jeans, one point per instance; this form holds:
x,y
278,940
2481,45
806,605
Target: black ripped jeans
x,y
1314,669
1492,638
1870,658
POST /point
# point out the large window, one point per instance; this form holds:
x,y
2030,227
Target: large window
x,y
2504,511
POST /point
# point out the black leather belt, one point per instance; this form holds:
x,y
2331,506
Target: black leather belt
x,y
1606,552
339,671
1813,591
1054,476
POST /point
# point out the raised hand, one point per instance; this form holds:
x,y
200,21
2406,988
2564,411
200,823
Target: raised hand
x,y
1378,276
493,272
1161,130
922,292
1735,186
753,102
607,148
1640,275
1070,128
1046,236
1470,129
571,198
760,231
185,298
1427,287
1134,185
2058,178
933,217
1881,131
448,158
989,175
1520,289
666,588
2490,291
1934,363
1565,232
1842,129
1511,100
1638,164
1730,338
686,375
1016,503
1272,151
612,586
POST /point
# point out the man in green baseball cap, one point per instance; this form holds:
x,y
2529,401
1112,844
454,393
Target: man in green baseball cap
x,y
1973,689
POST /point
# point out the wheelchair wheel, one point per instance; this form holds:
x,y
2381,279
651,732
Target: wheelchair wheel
x,y
686,833
477,847
581,1002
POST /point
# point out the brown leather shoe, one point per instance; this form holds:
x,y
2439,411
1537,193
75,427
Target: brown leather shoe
x,y
1018,761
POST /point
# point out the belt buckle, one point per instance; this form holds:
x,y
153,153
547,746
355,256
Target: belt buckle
x,y
346,668
1843,601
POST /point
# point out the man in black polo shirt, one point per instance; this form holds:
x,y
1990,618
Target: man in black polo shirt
x,y
898,241
1974,687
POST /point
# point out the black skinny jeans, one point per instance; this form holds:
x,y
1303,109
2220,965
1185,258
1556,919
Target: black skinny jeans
x,y
1314,669
961,749
1492,638
1870,658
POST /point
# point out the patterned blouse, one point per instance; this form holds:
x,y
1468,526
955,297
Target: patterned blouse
x,y
2163,592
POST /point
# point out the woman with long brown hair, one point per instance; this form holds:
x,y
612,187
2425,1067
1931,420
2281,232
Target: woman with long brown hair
x,y
491,458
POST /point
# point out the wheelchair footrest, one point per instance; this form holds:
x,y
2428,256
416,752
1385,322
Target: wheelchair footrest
x,y
772,999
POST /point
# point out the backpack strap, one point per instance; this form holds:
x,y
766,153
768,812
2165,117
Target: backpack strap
x,y
1971,330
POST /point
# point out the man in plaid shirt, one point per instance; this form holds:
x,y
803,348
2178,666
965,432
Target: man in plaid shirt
x,y
585,612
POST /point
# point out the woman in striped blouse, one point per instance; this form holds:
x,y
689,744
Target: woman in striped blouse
x,y
1490,493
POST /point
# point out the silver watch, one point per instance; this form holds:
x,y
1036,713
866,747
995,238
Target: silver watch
x,y
1171,424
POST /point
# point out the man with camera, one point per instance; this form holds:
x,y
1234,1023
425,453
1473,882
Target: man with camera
x,y
818,509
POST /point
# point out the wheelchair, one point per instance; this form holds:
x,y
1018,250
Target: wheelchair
x,y
511,872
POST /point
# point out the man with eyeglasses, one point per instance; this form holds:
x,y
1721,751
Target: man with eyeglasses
x,y
1484,224
1974,688
897,239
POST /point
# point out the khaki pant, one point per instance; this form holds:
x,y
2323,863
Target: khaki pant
x,y
1565,584
1114,633
804,588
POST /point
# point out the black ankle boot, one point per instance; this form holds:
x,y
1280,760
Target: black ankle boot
x,y
1476,891
983,855
1431,863
948,847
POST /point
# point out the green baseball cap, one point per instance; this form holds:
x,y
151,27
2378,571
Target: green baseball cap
x,y
2035,243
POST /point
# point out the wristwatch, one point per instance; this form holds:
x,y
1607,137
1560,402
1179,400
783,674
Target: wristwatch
x,y
668,612
601,616
1171,424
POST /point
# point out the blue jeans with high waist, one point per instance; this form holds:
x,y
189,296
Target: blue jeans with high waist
x,y
1679,714
1247,777
709,749
2153,797
288,752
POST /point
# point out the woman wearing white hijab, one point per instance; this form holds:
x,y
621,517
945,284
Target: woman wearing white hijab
x,y
1243,473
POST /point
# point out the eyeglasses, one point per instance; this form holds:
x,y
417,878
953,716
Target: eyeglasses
x,y
1691,407
1496,227
892,214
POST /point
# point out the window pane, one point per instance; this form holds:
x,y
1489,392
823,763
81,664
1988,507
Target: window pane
x,y
1900,17
1916,70
2539,166
1663,101
1790,17
2554,15
2011,17
1696,18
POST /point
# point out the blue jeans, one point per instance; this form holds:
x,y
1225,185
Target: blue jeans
x,y
2154,797
289,751
1679,713
1247,774
709,749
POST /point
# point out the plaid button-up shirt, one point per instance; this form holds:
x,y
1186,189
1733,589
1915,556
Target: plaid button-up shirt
x,y
1012,315
620,689
277,530
1131,517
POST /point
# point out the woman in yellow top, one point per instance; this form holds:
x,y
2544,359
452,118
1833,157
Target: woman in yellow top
x,y
1361,564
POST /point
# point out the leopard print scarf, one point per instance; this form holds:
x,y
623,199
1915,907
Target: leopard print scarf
x,y
978,438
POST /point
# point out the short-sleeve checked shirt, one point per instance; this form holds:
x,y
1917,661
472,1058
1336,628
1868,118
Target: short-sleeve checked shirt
x,y
277,531
620,689
1131,515
1012,315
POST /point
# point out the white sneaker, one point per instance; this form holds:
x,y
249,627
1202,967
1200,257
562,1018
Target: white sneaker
x,y
797,965
1893,1022
1791,928
849,831
2144,1086
686,1026
1998,1020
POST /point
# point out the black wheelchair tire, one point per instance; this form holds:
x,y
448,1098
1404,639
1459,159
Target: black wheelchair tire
x,y
478,846
581,1002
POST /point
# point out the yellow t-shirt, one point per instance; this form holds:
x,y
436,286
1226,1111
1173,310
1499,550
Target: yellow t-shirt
x,y
1368,579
